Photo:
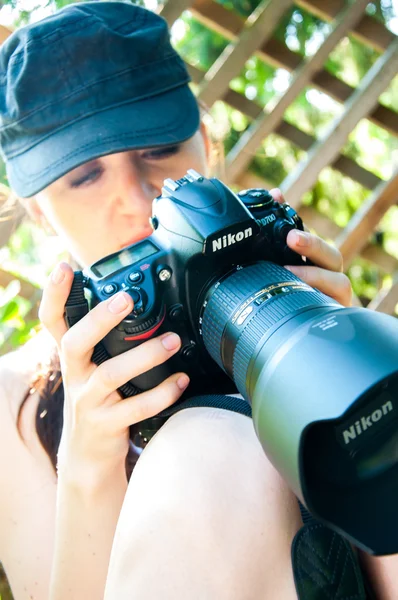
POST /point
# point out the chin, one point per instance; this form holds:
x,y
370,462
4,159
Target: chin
x,y
137,238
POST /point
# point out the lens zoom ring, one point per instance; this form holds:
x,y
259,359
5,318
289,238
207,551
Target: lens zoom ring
x,y
230,294
268,314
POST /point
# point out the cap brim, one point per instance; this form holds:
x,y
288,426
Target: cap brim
x,y
160,120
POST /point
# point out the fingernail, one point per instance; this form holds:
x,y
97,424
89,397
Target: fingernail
x,y
302,238
276,194
58,275
294,270
171,341
118,303
183,381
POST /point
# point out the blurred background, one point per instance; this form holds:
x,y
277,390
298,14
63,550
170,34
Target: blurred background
x,y
299,95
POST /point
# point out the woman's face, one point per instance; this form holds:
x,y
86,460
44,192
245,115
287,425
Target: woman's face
x,y
105,204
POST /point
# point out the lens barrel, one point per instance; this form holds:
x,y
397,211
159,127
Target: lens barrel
x,y
323,383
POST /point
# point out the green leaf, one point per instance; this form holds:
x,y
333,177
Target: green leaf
x,y
9,311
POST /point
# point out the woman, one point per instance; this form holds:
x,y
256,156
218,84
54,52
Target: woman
x,y
95,113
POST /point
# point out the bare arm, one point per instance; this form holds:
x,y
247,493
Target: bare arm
x,y
95,435
87,513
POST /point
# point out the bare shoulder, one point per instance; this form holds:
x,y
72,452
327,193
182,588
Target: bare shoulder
x,y
28,506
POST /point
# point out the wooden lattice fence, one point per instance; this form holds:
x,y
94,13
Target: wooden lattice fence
x,y
255,37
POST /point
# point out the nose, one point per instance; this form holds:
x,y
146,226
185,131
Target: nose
x,y
134,190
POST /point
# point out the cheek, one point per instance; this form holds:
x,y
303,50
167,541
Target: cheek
x,y
65,222
80,230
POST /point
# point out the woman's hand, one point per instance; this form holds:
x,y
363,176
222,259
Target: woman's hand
x,y
95,435
327,276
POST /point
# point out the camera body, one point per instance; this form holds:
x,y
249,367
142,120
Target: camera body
x,y
202,233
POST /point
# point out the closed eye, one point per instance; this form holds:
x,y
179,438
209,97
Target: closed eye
x,y
88,177
160,153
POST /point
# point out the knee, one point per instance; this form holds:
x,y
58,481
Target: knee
x,y
208,463
203,491
202,456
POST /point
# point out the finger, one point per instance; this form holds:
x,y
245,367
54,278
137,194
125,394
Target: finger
x,y
118,370
277,195
148,404
55,295
335,285
78,342
317,250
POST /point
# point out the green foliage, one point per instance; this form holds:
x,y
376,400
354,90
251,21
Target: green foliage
x,y
200,46
15,325
242,7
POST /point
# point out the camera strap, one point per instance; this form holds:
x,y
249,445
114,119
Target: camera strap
x,y
325,565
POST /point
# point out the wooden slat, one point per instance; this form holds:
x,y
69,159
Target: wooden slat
x,y
378,256
173,9
326,228
5,32
345,165
240,155
280,56
257,28
27,289
361,225
368,31
227,23
349,167
386,300
326,149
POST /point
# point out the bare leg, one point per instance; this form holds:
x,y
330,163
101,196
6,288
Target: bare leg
x,y
382,572
205,517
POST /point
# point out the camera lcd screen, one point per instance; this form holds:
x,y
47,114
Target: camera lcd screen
x,y
125,258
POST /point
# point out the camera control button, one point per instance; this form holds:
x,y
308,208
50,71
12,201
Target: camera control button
x,y
154,223
165,274
135,277
109,288
188,352
176,312
136,296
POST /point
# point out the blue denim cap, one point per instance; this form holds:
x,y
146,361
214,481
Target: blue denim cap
x,y
93,79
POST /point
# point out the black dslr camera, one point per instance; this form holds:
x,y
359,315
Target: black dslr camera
x,y
322,379
203,233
